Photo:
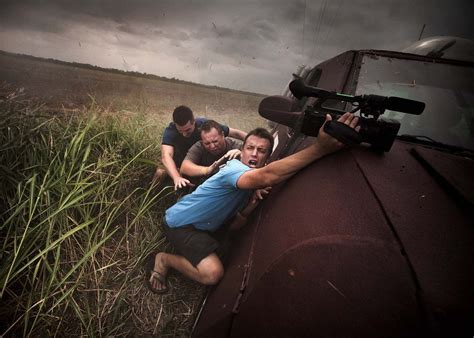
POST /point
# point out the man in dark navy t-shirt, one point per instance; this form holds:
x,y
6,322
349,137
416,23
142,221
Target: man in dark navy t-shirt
x,y
178,137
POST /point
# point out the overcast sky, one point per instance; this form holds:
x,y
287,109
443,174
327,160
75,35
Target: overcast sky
x,y
251,45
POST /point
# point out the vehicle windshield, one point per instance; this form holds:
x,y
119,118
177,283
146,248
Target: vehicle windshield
x,y
447,90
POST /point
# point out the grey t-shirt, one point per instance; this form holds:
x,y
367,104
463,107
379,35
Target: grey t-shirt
x,y
200,156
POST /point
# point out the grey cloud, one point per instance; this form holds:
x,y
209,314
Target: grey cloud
x,y
178,35
247,36
127,28
252,29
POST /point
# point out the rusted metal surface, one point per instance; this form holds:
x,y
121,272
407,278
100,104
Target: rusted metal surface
x,y
313,289
437,233
355,243
455,172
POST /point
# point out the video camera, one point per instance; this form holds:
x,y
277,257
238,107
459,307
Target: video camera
x,y
378,132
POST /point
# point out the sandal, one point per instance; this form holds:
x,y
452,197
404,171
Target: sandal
x,y
151,274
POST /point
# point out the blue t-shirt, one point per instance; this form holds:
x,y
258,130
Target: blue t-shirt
x,y
182,144
213,202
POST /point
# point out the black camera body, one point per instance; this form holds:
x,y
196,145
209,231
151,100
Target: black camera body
x,y
378,132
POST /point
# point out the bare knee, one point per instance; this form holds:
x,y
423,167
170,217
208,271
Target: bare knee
x,y
160,175
211,271
215,275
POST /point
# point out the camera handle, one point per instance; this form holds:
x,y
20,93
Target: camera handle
x,y
342,132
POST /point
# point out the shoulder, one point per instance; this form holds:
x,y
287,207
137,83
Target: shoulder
x,y
232,171
200,120
195,150
236,166
171,127
170,133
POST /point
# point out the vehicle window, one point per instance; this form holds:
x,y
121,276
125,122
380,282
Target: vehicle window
x,y
314,77
447,90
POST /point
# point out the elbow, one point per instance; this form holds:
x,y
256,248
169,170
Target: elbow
x,y
185,169
238,134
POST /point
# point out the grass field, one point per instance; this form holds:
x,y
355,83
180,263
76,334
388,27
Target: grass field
x,y
72,87
78,148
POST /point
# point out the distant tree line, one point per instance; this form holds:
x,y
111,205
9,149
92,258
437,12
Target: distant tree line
x,y
123,72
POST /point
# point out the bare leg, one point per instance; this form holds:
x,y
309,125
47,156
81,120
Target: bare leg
x,y
209,271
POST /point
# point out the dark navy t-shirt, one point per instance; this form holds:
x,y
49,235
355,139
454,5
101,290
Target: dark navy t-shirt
x,y
181,144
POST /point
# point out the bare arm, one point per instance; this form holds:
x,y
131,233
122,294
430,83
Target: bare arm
x,y
283,169
190,168
238,134
167,153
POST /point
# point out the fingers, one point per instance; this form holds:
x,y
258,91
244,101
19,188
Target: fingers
x,y
261,193
219,161
349,119
345,117
181,183
254,199
232,154
329,143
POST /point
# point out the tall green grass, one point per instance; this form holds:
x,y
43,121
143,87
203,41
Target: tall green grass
x,y
77,216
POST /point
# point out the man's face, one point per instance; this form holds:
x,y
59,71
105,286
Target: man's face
x,y
255,151
187,129
213,142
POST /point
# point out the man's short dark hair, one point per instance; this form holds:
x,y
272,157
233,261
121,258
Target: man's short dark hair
x,y
209,124
262,133
182,115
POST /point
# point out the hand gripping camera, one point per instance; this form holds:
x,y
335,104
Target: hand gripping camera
x,y
378,132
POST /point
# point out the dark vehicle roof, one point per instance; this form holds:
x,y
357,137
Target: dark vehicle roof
x,y
360,243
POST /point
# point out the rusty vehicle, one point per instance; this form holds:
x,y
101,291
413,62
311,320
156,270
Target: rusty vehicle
x,y
376,240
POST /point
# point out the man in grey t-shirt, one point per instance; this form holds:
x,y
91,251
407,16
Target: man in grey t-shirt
x,y
204,157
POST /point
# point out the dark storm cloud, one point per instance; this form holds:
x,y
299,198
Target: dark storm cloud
x,y
294,11
258,37
362,15
332,27
29,16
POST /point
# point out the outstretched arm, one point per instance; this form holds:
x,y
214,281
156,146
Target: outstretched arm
x,y
238,134
167,153
283,169
192,169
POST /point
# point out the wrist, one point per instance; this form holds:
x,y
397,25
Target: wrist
x,y
204,171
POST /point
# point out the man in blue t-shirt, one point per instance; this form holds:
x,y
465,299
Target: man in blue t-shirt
x,y
178,137
192,225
